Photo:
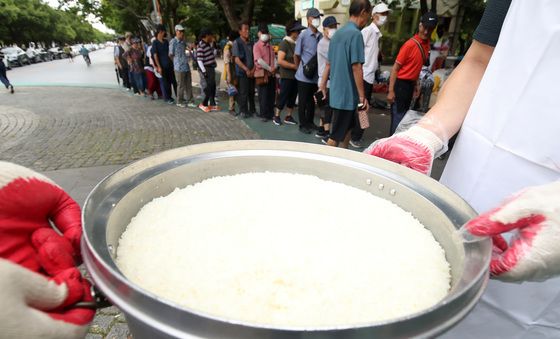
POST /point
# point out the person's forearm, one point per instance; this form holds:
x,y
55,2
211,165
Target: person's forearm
x,y
264,65
359,79
296,60
201,66
325,76
156,60
393,77
455,98
240,63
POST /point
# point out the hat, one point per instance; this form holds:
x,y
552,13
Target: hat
x,y
296,27
329,21
380,8
313,12
429,20
205,32
179,28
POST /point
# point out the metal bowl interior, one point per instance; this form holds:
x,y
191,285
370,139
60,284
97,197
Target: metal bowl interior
x,y
119,197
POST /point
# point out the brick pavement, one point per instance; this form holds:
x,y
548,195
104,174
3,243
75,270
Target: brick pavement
x,y
56,128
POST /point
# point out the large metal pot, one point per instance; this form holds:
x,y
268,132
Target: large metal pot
x,y
119,197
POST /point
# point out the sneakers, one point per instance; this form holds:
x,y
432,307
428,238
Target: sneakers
x,y
277,121
11,89
325,140
321,133
205,109
170,101
356,143
192,105
181,105
290,120
214,108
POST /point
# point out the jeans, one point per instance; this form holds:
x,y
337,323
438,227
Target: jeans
x,y
210,90
3,76
246,95
404,89
288,93
138,80
357,131
167,79
266,98
184,87
306,106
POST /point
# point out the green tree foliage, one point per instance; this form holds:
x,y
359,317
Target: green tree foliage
x,y
24,21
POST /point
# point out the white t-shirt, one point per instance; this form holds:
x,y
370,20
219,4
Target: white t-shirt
x,y
371,35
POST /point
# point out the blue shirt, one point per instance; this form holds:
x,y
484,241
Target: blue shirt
x,y
306,48
177,49
346,49
161,49
244,51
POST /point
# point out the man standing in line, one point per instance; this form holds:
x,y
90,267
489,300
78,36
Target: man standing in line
x,y
306,58
160,54
206,60
346,56
122,63
177,48
404,76
244,70
371,35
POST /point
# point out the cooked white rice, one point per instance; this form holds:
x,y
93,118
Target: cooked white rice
x,y
284,249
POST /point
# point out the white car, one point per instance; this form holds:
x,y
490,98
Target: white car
x,y
15,56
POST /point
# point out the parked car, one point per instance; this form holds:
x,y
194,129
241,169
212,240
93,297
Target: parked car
x,y
16,56
57,53
75,49
44,54
33,54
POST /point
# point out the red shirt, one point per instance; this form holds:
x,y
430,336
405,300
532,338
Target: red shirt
x,y
410,58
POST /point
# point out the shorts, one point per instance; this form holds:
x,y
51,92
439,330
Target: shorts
x,y
342,122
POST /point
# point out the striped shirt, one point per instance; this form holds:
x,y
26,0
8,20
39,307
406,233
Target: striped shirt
x,y
205,54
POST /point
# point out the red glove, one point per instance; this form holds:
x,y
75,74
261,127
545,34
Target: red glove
x,y
28,203
414,148
533,253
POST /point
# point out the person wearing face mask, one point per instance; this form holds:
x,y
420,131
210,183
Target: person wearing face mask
x,y
403,82
265,68
329,28
344,67
307,73
371,35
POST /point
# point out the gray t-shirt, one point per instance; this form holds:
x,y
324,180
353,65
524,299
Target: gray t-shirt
x,y
288,48
323,57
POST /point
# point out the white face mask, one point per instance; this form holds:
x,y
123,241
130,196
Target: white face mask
x,y
331,32
316,22
382,19
264,37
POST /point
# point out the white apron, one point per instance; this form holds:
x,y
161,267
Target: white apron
x,y
511,140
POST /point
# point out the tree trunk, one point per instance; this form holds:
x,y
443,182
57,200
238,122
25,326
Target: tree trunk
x,y
247,14
229,11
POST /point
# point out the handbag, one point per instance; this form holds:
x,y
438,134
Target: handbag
x,y
260,81
310,68
363,119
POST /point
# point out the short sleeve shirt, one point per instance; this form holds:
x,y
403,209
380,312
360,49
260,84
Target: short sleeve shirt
x,y
346,49
177,48
244,51
161,49
410,58
288,48
306,48
490,25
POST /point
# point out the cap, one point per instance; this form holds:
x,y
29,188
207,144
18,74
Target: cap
x,y
313,12
296,27
429,20
329,21
205,32
380,8
179,28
